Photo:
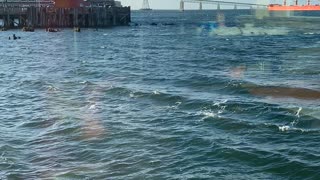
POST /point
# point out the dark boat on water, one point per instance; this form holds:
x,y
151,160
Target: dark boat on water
x,y
28,29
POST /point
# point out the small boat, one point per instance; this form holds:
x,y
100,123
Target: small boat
x,y
211,25
76,29
3,29
295,7
28,29
52,30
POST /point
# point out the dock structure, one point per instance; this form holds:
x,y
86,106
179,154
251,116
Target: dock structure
x,y
58,13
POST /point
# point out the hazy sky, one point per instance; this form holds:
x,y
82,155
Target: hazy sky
x,y
155,4
175,4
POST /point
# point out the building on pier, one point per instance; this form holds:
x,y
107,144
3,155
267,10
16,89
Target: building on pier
x,y
62,13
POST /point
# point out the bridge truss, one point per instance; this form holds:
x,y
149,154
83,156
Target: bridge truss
x,y
218,3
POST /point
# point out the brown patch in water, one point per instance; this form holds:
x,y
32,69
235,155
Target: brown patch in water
x,y
93,129
286,92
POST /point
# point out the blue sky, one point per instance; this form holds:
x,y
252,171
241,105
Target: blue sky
x,y
174,4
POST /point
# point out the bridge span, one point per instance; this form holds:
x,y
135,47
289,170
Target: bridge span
x,y
218,3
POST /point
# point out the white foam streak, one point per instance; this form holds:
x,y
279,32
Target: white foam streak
x,y
284,128
210,114
156,92
298,112
92,107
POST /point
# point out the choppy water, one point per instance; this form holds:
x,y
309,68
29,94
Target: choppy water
x,y
158,102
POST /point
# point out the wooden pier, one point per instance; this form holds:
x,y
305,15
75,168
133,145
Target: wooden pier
x,y
40,16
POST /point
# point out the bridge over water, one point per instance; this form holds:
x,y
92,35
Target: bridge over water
x,y
218,3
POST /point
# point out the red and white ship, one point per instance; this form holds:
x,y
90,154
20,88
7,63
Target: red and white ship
x,y
295,7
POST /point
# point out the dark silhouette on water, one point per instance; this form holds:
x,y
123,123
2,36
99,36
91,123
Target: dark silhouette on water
x,y
52,30
14,37
76,29
28,29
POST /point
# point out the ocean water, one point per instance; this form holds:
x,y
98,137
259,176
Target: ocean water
x,y
165,101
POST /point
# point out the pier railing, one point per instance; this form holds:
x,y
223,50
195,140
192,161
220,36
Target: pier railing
x,y
26,3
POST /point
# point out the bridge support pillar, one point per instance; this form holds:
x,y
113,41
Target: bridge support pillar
x,y
200,6
218,6
8,24
235,7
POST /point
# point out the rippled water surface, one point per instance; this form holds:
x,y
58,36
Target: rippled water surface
x,y
159,102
